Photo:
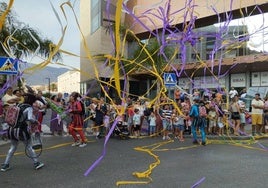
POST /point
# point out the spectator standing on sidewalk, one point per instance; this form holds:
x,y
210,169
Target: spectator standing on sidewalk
x,y
196,122
61,99
19,93
166,114
265,115
136,122
242,118
212,119
92,113
130,114
235,114
232,93
177,95
152,123
178,124
256,114
56,124
243,93
101,110
202,119
9,98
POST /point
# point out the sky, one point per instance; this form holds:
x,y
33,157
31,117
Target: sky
x,y
39,14
257,28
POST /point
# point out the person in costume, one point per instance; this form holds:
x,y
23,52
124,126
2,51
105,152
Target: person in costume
x,y
21,132
76,125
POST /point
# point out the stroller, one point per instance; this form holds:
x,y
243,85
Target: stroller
x,y
121,130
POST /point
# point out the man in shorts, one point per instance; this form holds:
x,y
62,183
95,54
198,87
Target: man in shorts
x,y
256,114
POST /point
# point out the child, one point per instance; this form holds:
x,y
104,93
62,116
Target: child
x,y
220,124
178,123
242,119
152,124
225,123
212,120
136,122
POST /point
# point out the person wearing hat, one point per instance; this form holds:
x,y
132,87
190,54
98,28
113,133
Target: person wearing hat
x,y
256,114
21,132
18,93
9,98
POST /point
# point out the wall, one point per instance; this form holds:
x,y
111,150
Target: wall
x,y
201,9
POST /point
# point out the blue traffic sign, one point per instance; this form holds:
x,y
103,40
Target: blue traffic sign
x,y
170,79
8,65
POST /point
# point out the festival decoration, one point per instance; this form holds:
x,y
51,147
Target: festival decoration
x,y
59,109
183,37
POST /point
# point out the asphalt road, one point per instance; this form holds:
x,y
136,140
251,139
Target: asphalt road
x,y
222,163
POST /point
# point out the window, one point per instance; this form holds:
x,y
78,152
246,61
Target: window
x,y
95,15
210,43
195,56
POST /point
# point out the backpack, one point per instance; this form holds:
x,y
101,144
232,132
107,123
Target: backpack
x,y
14,114
202,111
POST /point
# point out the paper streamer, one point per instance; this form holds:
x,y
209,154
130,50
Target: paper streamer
x,y
94,165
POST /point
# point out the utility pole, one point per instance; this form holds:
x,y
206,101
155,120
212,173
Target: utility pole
x,y
48,86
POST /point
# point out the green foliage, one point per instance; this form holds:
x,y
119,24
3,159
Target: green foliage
x,y
22,39
150,54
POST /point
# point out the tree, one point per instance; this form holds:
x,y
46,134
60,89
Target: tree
x,y
153,57
22,39
54,87
153,53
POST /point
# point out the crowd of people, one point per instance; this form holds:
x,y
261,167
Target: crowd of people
x,y
217,113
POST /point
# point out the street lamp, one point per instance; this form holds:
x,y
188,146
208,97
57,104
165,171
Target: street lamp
x,y
48,86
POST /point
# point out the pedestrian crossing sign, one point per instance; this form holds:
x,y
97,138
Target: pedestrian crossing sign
x,y
170,79
8,66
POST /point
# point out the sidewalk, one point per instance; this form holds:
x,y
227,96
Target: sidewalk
x,y
46,132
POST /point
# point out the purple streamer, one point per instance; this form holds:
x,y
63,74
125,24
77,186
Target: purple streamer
x,y
198,183
262,146
3,132
181,38
94,165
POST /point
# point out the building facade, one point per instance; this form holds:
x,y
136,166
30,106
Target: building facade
x,y
213,55
72,78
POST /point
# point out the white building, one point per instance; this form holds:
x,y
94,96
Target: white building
x,y
69,82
